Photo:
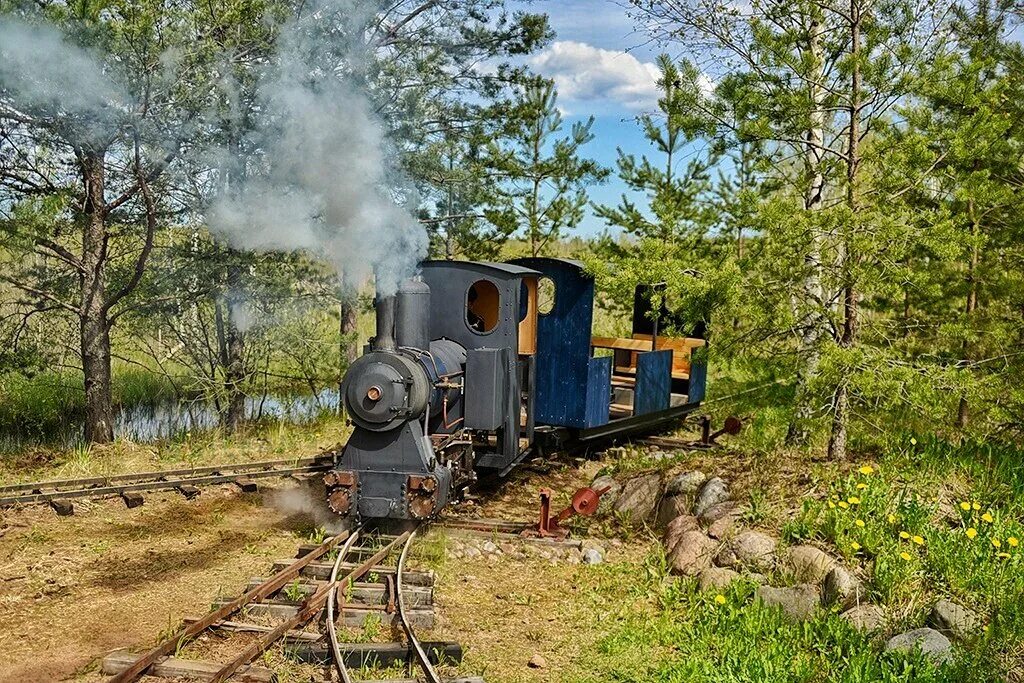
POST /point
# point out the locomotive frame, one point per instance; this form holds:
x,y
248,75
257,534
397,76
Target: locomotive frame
x,y
468,376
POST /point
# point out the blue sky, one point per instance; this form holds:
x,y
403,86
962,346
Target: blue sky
x,y
602,67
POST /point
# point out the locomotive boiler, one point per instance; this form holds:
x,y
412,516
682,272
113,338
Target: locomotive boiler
x,y
469,372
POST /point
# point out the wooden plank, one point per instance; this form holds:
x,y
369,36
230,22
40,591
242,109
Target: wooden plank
x,y
172,667
352,616
362,593
132,499
62,506
247,627
384,655
673,342
188,491
322,570
247,485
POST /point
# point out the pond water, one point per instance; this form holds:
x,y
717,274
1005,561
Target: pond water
x,y
148,423
143,424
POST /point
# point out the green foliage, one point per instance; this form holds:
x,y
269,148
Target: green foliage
x,y
542,180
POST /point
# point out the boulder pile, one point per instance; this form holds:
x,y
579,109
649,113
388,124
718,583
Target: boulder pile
x,y
703,535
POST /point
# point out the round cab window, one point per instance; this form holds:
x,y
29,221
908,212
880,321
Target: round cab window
x,y
482,306
545,295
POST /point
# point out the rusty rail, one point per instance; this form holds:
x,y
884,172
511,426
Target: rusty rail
x,y
99,487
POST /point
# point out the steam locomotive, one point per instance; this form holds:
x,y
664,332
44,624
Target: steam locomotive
x,y
476,365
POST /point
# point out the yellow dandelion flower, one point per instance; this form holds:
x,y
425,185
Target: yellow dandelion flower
x,y
1013,542
843,504
861,486
720,599
867,469
831,505
965,506
904,535
918,540
913,441
972,533
892,519
905,555
1004,556
996,543
988,518
975,506
860,523
855,546
853,500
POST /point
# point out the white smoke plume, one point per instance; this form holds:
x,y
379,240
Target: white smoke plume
x,y
44,75
328,185
325,182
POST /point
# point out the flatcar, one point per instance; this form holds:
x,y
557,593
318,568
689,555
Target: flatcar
x,y
469,372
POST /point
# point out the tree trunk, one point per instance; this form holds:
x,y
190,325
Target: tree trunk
x,y
94,320
798,432
231,340
970,307
851,297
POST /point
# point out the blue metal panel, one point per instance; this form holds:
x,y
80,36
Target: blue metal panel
x,y
653,382
599,389
698,375
563,345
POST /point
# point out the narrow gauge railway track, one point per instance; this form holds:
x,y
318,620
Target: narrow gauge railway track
x,y
361,583
60,493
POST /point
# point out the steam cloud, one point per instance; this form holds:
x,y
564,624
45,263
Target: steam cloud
x,y
329,183
46,75
325,184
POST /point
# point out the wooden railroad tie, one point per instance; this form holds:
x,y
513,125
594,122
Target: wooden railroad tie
x,y
132,499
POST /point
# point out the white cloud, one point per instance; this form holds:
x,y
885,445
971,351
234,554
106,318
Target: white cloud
x,y
595,77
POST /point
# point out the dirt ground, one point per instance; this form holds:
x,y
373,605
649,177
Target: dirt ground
x,y
74,588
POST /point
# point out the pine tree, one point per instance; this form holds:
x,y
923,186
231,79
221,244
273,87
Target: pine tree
x,y
541,179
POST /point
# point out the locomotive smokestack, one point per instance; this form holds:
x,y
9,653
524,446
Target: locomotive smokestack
x,y
412,322
385,339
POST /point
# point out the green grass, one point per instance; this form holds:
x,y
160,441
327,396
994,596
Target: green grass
x,y
901,520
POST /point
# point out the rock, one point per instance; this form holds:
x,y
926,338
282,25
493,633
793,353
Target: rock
x,y
670,508
798,603
749,549
537,662
723,526
692,553
865,617
608,499
930,642
490,548
716,578
841,588
639,498
593,556
711,492
676,528
954,620
473,553
686,483
809,564
718,511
